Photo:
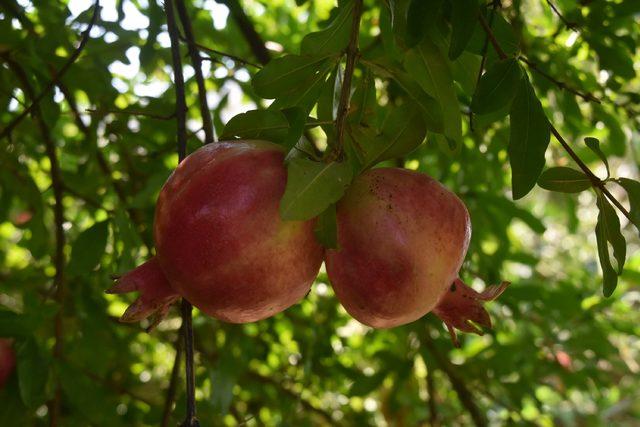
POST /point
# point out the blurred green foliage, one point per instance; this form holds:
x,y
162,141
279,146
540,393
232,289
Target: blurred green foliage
x,y
559,353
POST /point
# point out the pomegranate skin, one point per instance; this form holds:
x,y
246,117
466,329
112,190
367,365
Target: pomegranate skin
x,y
7,360
402,240
219,237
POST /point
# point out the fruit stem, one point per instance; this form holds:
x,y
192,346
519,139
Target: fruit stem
x,y
345,92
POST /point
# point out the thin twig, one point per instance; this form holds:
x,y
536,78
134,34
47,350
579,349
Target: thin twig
x,y
221,53
76,53
431,400
207,123
459,385
584,95
58,213
186,309
345,92
570,25
173,385
485,48
247,29
595,181
103,111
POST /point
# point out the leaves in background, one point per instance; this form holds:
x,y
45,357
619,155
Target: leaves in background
x,y
312,187
564,180
464,18
528,139
88,248
497,87
33,373
430,68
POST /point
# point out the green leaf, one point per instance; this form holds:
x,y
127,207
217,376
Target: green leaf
x,y
332,39
528,139
465,71
326,229
88,248
594,145
421,15
430,68
564,180
288,74
363,102
608,231
33,370
312,187
305,96
402,131
297,120
464,18
632,188
15,325
258,124
497,87
366,384
431,109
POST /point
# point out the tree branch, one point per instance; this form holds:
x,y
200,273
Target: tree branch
x,y
247,29
225,54
345,92
431,400
458,384
173,384
76,53
58,214
595,181
186,309
570,25
103,111
207,123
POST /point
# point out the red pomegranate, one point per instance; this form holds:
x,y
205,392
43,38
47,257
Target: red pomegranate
x,y
402,240
220,241
7,360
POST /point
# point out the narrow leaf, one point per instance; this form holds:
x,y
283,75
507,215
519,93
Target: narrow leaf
x,y
632,188
564,180
464,18
497,87
332,39
608,231
270,125
528,141
33,372
312,187
287,74
326,229
594,145
88,248
430,68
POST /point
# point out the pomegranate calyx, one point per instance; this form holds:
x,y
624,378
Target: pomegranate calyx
x,y
461,307
156,294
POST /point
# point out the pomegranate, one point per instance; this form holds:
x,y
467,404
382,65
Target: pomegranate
x,y
402,240
220,241
7,360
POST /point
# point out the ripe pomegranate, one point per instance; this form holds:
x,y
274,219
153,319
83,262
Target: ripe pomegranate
x,y
7,360
402,239
220,241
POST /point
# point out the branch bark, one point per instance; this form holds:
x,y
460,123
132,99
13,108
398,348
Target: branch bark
x,y
256,44
207,123
186,309
173,385
345,92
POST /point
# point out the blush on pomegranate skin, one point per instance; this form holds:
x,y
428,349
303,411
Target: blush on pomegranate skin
x,y
402,240
220,241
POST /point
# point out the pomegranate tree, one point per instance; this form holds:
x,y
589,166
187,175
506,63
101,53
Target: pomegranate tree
x,y
220,241
402,240
7,360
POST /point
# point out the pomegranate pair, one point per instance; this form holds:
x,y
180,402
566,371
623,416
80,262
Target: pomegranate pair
x,y
222,245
